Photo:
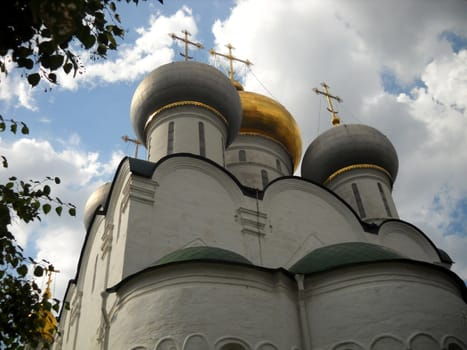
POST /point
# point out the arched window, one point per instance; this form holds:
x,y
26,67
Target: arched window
x,y
358,200
385,201
278,165
170,138
264,177
202,142
242,156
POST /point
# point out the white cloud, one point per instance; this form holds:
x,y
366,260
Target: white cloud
x,y
15,89
150,49
57,239
295,45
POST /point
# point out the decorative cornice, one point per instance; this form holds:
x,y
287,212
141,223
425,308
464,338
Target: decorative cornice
x,y
357,166
181,104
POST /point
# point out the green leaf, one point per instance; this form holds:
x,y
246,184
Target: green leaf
x,y
57,180
67,67
72,211
112,6
2,126
46,190
47,47
25,62
55,61
22,270
34,79
13,127
46,208
38,271
24,129
56,307
59,210
52,78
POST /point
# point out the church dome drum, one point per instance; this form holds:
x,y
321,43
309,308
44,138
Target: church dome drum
x,y
347,146
187,83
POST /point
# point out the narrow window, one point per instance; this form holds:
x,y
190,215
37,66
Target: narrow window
x,y
278,165
358,199
94,276
385,201
202,143
242,156
170,138
264,177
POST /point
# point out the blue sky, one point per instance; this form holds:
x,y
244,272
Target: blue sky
x,y
399,66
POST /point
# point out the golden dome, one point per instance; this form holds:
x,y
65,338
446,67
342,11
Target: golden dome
x,y
265,117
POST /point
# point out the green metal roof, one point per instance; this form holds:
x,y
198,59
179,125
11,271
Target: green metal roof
x,y
342,254
203,253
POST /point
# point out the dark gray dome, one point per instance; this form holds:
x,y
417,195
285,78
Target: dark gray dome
x,y
95,200
346,145
186,81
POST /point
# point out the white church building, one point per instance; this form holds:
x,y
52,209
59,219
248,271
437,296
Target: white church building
x,y
213,244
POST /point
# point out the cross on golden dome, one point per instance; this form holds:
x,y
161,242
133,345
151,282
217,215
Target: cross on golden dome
x,y
187,42
231,59
335,119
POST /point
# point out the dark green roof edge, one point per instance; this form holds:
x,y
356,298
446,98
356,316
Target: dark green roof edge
x,y
456,279
205,253
343,254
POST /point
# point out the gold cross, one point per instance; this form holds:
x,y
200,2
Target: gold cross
x,y
136,142
47,292
335,119
187,42
231,58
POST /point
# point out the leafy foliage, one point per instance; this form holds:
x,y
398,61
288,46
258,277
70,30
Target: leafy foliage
x,y
22,304
37,35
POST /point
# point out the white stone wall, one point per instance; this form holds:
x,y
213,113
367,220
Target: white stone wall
x,y
190,202
203,306
371,304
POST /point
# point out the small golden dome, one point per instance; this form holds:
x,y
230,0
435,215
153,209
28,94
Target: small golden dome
x,y
265,117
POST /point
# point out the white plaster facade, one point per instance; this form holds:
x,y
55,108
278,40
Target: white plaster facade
x,y
376,286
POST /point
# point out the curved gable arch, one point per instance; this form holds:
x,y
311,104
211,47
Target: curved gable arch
x,y
312,218
179,162
408,240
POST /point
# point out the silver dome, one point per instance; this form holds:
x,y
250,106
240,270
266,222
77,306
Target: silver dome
x,y
346,145
95,200
185,81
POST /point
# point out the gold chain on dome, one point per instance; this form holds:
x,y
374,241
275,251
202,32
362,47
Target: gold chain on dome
x,y
335,119
185,103
186,43
231,59
357,166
